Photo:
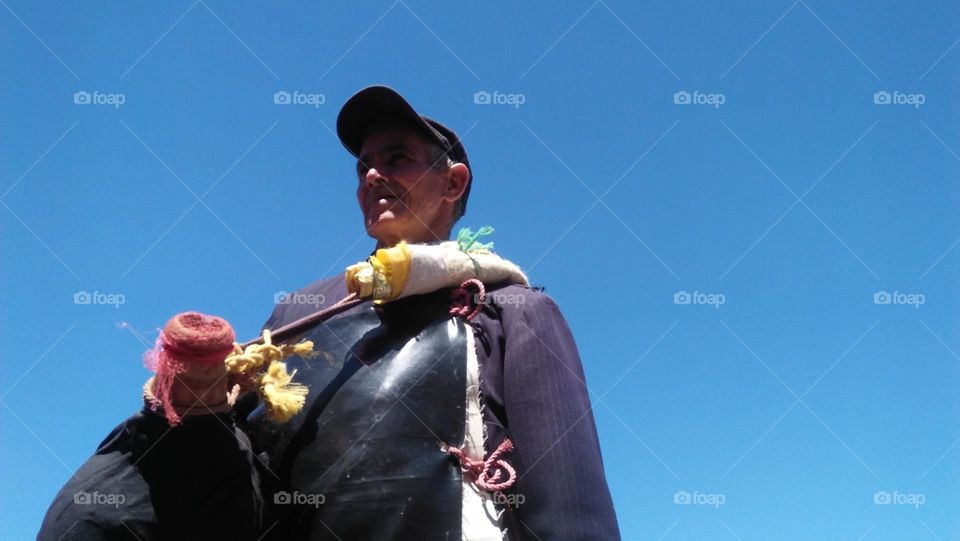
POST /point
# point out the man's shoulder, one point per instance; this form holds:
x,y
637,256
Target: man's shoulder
x,y
516,300
526,317
516,291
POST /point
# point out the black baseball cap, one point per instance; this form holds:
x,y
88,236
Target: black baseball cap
x,y
373,103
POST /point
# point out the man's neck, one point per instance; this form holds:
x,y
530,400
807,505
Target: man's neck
x,y
426,239
381,244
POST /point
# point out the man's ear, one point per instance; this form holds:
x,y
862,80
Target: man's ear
x,y
458,176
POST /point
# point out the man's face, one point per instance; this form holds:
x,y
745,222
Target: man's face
x,y
402,193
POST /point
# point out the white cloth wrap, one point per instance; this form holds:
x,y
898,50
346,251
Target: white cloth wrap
x,y
480,518
433,267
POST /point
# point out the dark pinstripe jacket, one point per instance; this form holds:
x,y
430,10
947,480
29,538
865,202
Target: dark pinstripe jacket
x,y
533,388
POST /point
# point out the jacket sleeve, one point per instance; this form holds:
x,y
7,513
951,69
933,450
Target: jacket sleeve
x,y
556,451
149,481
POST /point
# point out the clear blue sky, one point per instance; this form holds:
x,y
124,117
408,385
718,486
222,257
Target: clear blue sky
x,y
781,189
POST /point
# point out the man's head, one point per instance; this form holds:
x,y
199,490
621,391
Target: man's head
x,y
413,177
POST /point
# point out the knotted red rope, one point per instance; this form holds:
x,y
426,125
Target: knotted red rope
x,y
487,472
466,304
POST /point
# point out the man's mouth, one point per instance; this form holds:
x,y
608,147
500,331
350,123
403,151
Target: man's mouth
x,y
382,200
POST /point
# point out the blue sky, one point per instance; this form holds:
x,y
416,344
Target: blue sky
x,y
718,196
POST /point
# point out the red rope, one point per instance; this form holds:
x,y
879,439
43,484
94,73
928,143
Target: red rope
x,y
466,304
487,472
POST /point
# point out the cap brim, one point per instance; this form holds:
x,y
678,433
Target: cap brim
x,y
371,104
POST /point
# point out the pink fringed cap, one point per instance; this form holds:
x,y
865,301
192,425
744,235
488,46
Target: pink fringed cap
x,y
188,338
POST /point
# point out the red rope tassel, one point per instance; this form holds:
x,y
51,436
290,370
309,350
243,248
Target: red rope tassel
x,y
487,472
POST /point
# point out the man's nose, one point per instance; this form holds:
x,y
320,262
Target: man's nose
x,y
373,177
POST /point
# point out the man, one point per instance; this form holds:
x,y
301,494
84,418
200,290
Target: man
x,y
415,418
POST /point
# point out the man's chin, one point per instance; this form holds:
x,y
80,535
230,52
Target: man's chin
x,y
385,226
384,220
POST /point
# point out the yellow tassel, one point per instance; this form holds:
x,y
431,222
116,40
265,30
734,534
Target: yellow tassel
x,y
258,356
283,397
303,349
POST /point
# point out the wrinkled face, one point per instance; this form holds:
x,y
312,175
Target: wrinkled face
x,y
402,193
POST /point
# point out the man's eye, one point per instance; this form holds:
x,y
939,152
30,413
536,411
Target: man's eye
x,y
397,157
